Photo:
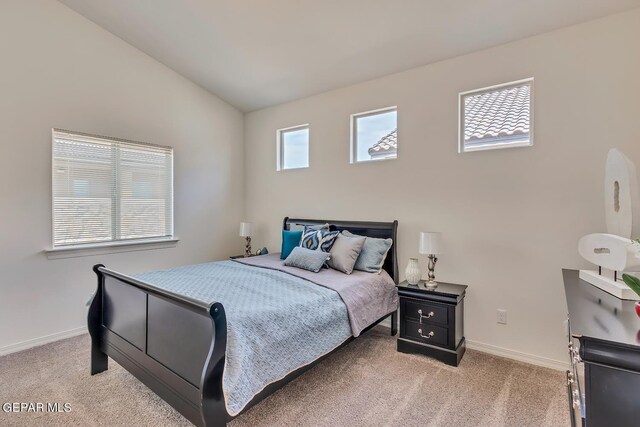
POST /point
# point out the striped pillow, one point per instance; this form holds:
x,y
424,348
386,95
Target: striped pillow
x,y
318,240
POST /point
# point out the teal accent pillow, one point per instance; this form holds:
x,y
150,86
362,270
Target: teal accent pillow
x,y
290,239
306,259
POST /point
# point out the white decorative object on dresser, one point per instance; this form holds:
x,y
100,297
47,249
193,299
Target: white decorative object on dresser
x,y
622,197
615,252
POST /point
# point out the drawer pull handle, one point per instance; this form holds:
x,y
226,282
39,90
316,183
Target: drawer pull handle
x,y
576,356
570,379
429,335
429,315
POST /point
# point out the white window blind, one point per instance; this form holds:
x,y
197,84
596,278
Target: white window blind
x,y
110,190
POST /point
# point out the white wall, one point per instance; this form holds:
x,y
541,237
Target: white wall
x,y
58,69
511,218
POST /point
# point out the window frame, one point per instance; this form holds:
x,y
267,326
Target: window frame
x,y
353,145
113,245
497,146
280,146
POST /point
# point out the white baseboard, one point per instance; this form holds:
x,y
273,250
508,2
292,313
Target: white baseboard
x,y
386,323
36,342
473,345
518,355
508,353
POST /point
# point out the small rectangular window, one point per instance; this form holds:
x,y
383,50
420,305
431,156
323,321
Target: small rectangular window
x,y
293,147
374,135
496,117
110,190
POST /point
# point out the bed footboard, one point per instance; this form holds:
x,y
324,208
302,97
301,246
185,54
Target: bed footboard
x,y
175,345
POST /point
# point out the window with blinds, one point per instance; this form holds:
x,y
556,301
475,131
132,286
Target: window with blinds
x,y
110,190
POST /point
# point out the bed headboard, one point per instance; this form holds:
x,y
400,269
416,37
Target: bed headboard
x,y
381,230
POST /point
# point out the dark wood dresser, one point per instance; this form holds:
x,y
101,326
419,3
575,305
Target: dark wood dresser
x,y
432,321
604,348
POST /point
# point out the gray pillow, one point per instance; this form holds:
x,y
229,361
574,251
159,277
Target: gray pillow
x,y
374,251
300,227
344,253
306,259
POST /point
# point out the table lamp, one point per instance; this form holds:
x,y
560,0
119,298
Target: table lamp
x,y
431,245
245,231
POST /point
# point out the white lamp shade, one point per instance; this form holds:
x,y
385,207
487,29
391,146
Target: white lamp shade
x,y
430,243
245,229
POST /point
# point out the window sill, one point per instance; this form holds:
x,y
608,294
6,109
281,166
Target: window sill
x,y
384,159
497,146
73,251
292,169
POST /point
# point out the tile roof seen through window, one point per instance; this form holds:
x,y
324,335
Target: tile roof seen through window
x,y
497,116
386,146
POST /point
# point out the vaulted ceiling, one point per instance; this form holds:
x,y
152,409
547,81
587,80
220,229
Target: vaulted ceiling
x,y
259,53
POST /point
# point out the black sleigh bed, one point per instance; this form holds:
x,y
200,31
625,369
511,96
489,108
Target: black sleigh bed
x,y
176,345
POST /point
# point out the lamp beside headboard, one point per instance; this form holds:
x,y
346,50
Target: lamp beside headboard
x,y
380,230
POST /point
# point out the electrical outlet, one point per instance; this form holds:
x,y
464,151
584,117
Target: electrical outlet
x,y
502,316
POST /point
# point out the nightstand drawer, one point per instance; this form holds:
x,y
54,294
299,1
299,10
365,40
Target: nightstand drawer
x,y
414,309
427,334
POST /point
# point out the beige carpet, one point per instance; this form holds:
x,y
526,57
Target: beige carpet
x,y
367,383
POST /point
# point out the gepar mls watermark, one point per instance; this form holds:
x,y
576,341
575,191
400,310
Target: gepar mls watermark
x,y
26,407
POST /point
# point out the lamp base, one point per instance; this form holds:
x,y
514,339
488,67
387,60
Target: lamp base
x,y
247,247
430,284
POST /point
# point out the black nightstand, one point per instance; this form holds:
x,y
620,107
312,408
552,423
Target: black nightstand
x,y
432,321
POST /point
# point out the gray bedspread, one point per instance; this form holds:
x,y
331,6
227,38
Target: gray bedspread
x,y
368,296
277,322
